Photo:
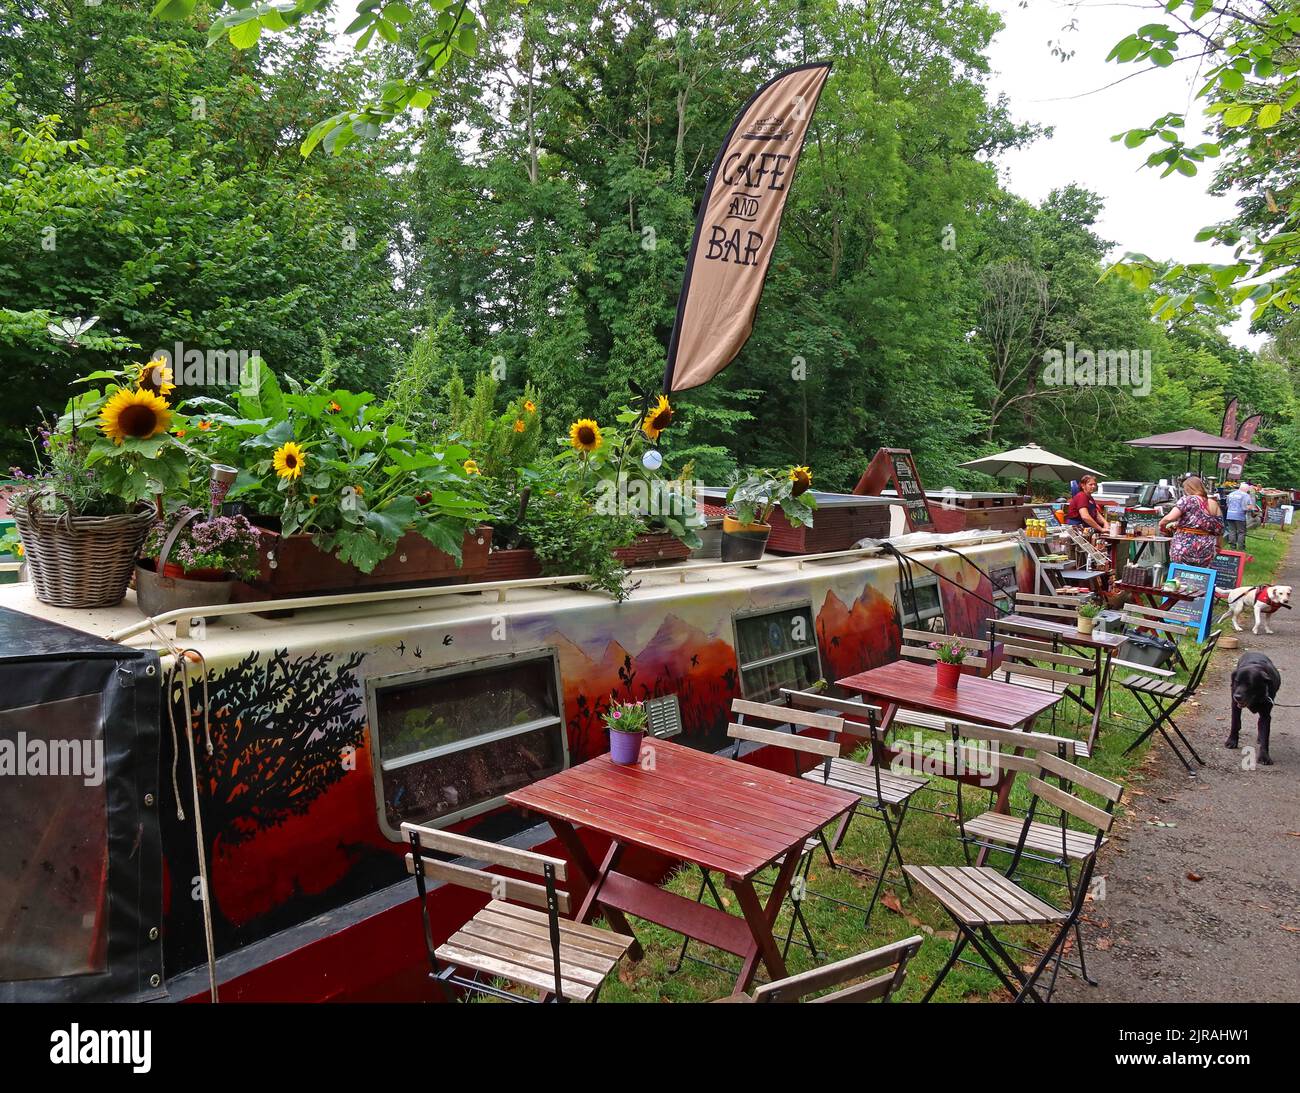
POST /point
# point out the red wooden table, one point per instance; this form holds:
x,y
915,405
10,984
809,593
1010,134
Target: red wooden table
x,y
905,683
725,816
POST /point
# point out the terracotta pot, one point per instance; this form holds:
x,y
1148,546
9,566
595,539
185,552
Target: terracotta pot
x,y
743,542
292,565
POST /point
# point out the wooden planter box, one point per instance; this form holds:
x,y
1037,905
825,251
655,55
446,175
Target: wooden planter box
x,y
652,547
835,527
301,568
512,565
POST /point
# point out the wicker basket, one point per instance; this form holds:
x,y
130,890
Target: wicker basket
x,y
80,561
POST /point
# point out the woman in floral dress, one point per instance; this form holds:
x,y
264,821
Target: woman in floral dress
x,y
1199,521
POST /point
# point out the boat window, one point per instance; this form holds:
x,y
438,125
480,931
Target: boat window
x,y
54,857
1005,586
920,607
776,649
452,742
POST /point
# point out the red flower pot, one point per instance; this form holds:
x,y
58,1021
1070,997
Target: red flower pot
x,y
948,675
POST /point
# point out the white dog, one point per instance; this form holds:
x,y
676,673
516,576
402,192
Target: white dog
x,y
1264,598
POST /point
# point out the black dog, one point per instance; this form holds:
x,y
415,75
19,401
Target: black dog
x,y
1255,683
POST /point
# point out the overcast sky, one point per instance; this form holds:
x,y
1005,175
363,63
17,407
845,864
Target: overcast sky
x,y
1143,212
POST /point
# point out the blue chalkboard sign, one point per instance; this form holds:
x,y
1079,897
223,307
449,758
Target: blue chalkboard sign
x,y
1195,612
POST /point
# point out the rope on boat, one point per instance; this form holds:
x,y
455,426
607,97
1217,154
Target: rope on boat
x,y
906,561
181,659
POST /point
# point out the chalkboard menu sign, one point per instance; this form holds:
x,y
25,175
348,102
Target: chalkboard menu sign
x,y
1274,515
908,484
1229,567
1194,612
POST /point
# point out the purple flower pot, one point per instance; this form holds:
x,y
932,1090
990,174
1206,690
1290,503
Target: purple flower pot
x,y
625,747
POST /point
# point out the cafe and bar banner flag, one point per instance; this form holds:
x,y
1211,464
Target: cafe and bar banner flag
x,y
737,226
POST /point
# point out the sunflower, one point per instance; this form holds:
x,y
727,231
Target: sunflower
x,y
530,406
802,479
658,419
288,460
134,415
156,376
471,467
584,435
519,425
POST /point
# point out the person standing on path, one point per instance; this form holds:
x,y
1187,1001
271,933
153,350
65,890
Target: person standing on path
x,y
1239,505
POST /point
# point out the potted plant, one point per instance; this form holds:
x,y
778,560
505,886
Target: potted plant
x,y
1086,616
626,722
345,494
949,664
194,562
104,469
754,497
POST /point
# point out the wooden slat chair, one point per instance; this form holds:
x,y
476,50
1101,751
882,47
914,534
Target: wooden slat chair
x,y
1060,607
1036,658
887,967
885,793
529,946
980,900
916,646
1049,840
1160,695
1155,620
858,716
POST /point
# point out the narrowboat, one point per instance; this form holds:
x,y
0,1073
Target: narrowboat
x,y
314,727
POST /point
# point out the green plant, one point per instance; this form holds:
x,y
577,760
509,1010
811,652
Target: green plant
x,y
757,494
569,537
335,466
625,716
228,543
950,650
1088,610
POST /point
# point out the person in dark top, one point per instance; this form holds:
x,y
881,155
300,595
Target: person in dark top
x,y
1083,510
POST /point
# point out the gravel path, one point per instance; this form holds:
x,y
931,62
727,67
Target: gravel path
x,y
1233,933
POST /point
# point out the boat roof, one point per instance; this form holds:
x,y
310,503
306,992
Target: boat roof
x,y
236,628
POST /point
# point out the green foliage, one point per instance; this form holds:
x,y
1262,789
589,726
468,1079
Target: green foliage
x,y
758,494
358,480
569,537
1249,95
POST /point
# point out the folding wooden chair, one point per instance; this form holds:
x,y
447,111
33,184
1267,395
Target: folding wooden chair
x,y
798,744
887,967
979,899
1160,696
916,646
886,793
1031,657
1048,841
1062,606
529,946
1155,620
